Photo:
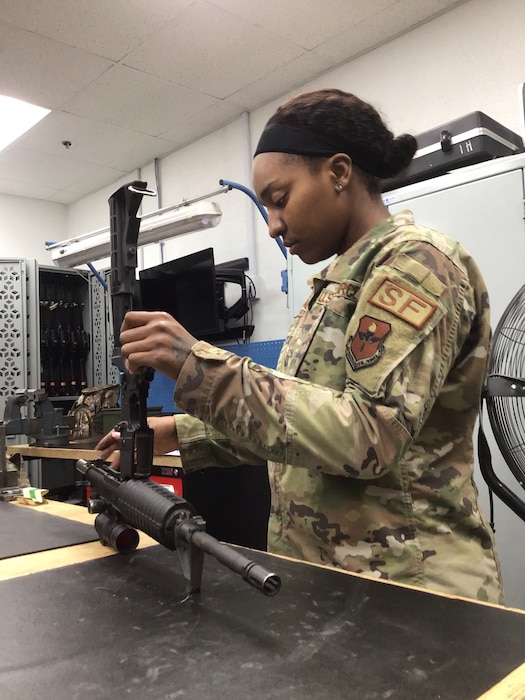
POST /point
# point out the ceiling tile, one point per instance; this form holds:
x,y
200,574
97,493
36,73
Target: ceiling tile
x,y
281,81
43,71
144,151
91,141
64,197
203,123
109,29
133,100
305,24
382,27
26,189
212,51
93,179
26,165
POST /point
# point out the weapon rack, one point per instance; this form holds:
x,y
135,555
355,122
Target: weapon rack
x,y
65,337
53,335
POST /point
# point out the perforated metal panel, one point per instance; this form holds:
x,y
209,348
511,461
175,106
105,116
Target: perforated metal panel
x,y
99,351
13,344
265,352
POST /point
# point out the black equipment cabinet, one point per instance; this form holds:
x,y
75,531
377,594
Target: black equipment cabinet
x,y
65,333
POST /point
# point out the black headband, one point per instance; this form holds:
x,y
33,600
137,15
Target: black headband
x,y
301,141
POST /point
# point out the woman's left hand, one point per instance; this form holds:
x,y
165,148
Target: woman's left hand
x,y
155,339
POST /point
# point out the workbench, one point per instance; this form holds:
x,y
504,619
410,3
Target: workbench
x,y
166,469
74,451
81,622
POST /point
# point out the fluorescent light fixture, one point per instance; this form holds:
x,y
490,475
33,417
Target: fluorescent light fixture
x,y
154,227
17,117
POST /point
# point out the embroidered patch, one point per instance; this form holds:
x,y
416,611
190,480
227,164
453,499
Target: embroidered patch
x,y
403,303
366,347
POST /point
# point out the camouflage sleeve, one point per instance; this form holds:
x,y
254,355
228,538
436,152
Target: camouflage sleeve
x,y
203,446
283,419
421,319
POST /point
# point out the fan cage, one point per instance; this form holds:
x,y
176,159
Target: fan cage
x,y
507,413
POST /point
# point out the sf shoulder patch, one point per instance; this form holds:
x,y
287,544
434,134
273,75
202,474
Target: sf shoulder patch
x,y
366,346
403,303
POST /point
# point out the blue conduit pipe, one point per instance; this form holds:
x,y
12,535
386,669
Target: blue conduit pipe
x,y
242,188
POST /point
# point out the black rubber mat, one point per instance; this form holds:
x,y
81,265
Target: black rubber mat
x,y
24,531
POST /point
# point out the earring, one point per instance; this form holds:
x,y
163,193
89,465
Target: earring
x,y
339,187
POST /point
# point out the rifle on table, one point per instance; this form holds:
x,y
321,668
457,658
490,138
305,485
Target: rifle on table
x,y
128,498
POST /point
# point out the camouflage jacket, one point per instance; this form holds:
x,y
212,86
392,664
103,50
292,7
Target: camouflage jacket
x,y
367,423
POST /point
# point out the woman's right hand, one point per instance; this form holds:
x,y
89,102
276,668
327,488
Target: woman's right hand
x,y
165,439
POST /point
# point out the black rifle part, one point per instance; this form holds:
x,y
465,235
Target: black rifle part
x,y
136,438
123,505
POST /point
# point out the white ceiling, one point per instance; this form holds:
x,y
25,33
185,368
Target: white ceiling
x,y
129,81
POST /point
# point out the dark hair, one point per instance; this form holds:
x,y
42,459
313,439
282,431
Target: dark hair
x,y
356,125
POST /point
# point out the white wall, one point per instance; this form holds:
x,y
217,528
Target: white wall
x,y
471,58
196,170
26,224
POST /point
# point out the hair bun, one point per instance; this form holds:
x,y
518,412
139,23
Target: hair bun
x,y
401,152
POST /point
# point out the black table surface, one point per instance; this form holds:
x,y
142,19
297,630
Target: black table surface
x,y
123,627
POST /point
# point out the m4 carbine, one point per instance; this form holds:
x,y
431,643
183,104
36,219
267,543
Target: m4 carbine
x,y
127,500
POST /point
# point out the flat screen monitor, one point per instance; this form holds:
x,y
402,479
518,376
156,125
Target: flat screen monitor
x,y
186,288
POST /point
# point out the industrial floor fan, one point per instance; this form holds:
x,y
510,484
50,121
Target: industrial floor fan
x,y
504,396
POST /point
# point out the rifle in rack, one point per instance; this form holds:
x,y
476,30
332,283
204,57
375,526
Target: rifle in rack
x,y
127,500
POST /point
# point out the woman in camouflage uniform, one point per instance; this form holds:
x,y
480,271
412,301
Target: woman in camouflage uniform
x,y
367,422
